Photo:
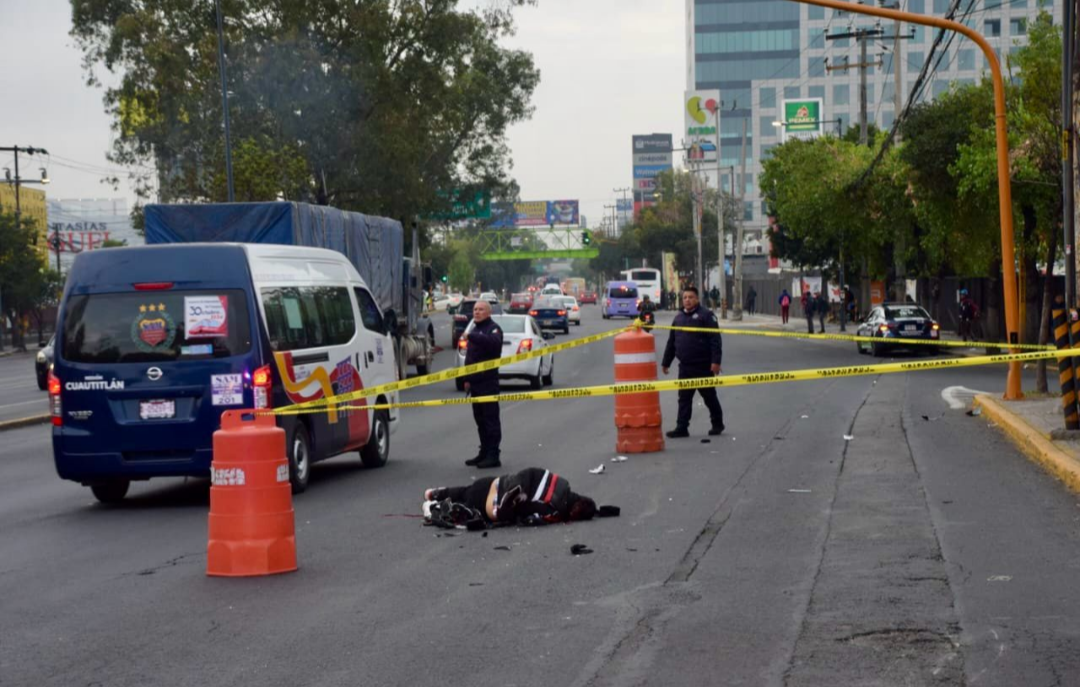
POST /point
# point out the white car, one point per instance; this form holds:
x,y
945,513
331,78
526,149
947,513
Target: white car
x,y
573,310
551,290
489,296
520,335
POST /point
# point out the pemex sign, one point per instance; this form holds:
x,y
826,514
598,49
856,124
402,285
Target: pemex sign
x,y
802,118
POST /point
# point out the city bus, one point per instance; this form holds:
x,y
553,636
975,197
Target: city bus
x,y
647,280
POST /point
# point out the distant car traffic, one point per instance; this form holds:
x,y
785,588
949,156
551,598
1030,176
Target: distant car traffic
x,y
894,322
551,290
520,303
588,297
463,316
551,314
621,300
573,312
489,296
43,363
521,334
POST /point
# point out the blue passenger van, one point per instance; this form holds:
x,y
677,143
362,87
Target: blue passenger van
x,y
621,299
155,342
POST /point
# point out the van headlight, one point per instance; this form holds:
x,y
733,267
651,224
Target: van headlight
x,y
41,356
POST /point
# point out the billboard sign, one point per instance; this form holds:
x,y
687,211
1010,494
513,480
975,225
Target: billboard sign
x,y
537,213
651,155
562,212
79,225
802,118
701,114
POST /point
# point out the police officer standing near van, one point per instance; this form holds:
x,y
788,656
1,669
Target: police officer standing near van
x,y
699,356
485,343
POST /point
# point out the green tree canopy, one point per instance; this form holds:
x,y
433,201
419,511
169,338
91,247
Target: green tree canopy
x,y
373,106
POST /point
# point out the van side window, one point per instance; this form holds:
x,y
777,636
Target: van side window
x,y
369,312
308,317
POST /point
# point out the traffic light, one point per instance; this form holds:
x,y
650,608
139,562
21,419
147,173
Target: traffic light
x,y
586,238
445,279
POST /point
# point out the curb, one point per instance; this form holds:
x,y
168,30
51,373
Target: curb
x,y
1033,443
25,422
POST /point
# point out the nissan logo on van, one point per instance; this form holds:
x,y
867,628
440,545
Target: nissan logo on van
x,y
154,373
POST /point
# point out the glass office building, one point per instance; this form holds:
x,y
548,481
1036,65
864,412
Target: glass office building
x,y
762,52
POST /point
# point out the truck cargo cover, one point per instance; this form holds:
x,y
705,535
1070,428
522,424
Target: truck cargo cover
x,y
374,245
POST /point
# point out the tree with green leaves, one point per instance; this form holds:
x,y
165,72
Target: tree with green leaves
x,y
24,279
370,106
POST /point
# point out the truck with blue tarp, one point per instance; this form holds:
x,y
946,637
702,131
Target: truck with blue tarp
x,y
374,245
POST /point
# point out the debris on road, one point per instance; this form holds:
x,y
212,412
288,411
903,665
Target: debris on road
x,y
974,412
619,459
579,550
799,491
848,437
597,470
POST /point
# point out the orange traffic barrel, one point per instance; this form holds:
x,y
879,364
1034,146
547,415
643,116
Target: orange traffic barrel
x,y
637,416
252,529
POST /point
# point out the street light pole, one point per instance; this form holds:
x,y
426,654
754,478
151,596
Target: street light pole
x,y
224,100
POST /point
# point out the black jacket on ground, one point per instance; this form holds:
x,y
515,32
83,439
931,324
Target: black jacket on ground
x,y
485,343
694,349
534,496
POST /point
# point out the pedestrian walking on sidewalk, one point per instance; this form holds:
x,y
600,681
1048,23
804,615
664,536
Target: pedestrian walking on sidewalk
x,y
714,296
699,355
821,309
785,305
751,300
969,314
485,342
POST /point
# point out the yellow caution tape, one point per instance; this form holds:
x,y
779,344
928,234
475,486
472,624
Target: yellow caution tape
x,y
892,341
321,404
705,382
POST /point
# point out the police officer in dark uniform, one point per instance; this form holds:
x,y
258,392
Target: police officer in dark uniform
x,y
485,343
699,356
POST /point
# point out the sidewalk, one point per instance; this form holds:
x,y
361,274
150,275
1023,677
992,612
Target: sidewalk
x,y
1036,427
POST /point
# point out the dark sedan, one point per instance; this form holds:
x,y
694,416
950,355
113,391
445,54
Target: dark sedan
x,y
550,313
463,316
895,322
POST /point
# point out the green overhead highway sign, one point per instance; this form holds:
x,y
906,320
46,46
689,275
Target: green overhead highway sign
x,y
465,205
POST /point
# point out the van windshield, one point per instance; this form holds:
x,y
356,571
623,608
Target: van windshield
x,y
155,326
623,292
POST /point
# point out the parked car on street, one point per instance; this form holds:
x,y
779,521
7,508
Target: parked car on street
x,y
894,322
551,314
463,316
520,303
521,334
43,363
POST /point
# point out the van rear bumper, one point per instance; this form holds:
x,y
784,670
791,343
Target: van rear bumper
x,y
99,467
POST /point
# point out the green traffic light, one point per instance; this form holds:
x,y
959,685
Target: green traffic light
x,y
586,238
444,279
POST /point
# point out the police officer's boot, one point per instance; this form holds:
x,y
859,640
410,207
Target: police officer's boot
x,y
472,462
489,460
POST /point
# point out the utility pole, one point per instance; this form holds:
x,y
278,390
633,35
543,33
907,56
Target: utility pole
x,y
225,101
623,191
722,286
739,232
1067,157
862,36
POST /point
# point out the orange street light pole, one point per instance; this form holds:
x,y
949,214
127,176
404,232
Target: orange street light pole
x,y
1008,255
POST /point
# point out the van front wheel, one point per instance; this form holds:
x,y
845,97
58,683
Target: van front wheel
x,y
299,459
376,451
110,492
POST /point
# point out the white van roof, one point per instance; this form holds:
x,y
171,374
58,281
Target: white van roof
x,y
279,264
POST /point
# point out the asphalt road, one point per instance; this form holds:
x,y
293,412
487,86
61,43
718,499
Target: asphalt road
x,y
20,395
920,551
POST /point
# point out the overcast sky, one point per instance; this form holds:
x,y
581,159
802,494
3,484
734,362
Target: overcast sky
x,y
609,69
